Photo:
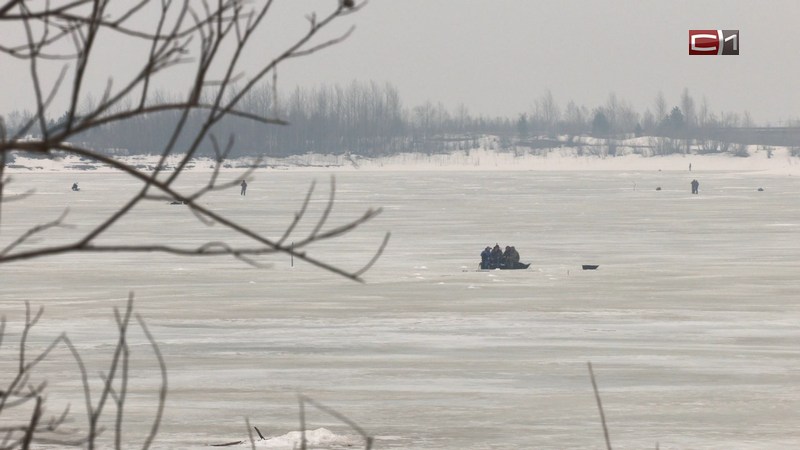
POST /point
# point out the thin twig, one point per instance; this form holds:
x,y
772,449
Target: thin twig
x,y
250,435
259,433
298,216
599,407
35,230
33,424
162,395
301,400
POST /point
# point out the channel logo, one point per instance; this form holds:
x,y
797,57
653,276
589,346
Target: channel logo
x,y
713,42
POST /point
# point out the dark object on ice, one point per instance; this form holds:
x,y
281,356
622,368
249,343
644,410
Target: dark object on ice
x,y
658,188
244,188
75,187
177,202
506,266
760,189
590,266
695,186
228,444
259,433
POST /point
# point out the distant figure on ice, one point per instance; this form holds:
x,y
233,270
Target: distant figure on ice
x,y
244,188
695,187
75,187
690,167
486,255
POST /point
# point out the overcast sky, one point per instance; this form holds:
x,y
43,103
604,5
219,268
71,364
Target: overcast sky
x,y
497,56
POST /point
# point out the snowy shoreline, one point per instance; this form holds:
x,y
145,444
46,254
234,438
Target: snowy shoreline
x,y
777,161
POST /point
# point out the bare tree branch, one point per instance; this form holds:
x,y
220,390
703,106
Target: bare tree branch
x,y
303,399
35,230
162,396
215,38
50,432
212,26
84,244
599,407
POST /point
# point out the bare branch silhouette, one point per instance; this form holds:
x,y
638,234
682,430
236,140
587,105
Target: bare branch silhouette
x,y
35,230
599,407
208,38
303,400
19,390
185,33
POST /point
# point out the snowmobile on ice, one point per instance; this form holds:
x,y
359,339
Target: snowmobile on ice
x,y
509,266
494,258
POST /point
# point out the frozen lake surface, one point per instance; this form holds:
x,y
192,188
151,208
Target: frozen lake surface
x,y
692,321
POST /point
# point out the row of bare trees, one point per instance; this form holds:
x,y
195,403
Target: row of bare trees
x,y
363,118
618,117
368,118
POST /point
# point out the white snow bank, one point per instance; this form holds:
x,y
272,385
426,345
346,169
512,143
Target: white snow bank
x,y
576,156
321,438
567,159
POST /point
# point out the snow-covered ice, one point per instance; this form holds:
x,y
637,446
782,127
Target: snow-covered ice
x,y
691,321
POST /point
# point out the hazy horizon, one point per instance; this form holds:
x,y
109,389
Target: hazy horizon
x,y
496,58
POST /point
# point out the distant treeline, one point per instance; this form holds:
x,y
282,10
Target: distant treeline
x,y
367,118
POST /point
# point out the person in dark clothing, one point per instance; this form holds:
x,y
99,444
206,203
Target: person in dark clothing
x,y
486,256
513,257
695,187
244,188
507,256
496,257
75,187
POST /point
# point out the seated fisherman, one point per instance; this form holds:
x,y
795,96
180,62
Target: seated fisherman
x,y
486,255
496,257
512,260
507,256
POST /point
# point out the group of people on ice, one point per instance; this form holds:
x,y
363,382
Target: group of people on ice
x,y
495,258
